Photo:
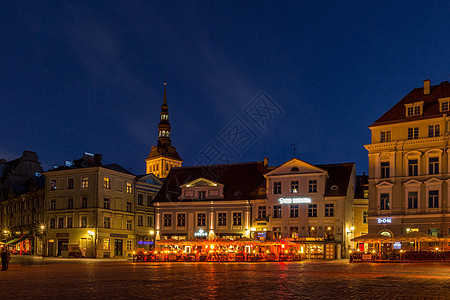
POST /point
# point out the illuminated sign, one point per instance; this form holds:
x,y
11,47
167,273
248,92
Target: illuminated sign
x,y
294,200
384,220
200,233
397,245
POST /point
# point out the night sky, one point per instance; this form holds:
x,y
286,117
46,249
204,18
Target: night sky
x,y
80,76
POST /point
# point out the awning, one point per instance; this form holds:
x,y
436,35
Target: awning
x,y
18,240
12,241
229,234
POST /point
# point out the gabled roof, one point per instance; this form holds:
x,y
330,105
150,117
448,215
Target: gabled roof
x,y
118,168
149,178
199,182
294,162
240,180
430,108
338,175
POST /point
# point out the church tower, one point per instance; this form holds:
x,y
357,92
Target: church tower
x,y
163,156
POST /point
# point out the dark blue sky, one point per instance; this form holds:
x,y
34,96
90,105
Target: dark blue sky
x,y
80,76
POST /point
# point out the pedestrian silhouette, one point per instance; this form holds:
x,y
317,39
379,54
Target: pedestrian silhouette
x,y
5,259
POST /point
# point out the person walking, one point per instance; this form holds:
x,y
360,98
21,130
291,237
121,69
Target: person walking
x,y
5,259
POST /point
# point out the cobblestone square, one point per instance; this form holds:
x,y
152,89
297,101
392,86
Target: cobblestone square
x,y
34,277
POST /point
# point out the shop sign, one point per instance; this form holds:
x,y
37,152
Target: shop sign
x,y
397,245
200,233
294,200
119,235
261,234
384,220
62,234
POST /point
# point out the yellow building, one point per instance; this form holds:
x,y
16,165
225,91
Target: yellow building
x,y
163,156
360,209
409,165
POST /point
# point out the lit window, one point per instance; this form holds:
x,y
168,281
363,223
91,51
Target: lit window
x,y
294,187
53,185
106,244
84,182
365,216
129,188
107,183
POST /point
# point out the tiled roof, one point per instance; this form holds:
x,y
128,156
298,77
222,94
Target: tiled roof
x,y
241,180
338,175
430,109
118,168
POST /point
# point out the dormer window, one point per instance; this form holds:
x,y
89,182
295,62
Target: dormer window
x,y
444,104
414,109
294,169
201,195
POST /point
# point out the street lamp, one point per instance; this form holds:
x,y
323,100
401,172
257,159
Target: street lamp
x,y
91,234
152,237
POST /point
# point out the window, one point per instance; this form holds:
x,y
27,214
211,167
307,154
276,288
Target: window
x,y
140,220
149,221
140,199
365,216
385,169
167,220
433,165
69,222
70,183
294,210
201,195
107,183
385,136
52,223
277,211
294,187
53,185
106,244
329,210
384,202
201,219
60,222
433,199
181,220
412,200
413,133
129,224
222,219
413,110
70,203
412,167
312,210
129,205
52,204
84,202
129,245
83,222
237,219
261,212
149,200
107,222
84,182
312,186
129,188
433,130
106,203
444,105
277,187
119,185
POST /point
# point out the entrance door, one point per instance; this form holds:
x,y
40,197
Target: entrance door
x,y
50,248
63,245
118,247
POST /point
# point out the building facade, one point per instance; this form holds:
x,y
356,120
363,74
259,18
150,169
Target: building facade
x,y
308,204
91,206
147,186
163,156
409,165
361,210
197,203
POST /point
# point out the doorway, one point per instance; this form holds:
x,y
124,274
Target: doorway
x,y
118,247
63,245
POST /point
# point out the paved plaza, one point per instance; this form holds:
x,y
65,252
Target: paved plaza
x,y
37,278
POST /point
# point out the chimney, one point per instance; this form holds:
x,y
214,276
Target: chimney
x,y
97,159
426,86
266,162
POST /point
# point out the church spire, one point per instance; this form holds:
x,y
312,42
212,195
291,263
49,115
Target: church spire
x,y
164,125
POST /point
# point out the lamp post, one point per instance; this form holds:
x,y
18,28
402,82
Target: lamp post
x,y
92,234
152,237
42,228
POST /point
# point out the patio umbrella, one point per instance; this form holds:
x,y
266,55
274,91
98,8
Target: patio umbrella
x,y
168,242
372,238
414,236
